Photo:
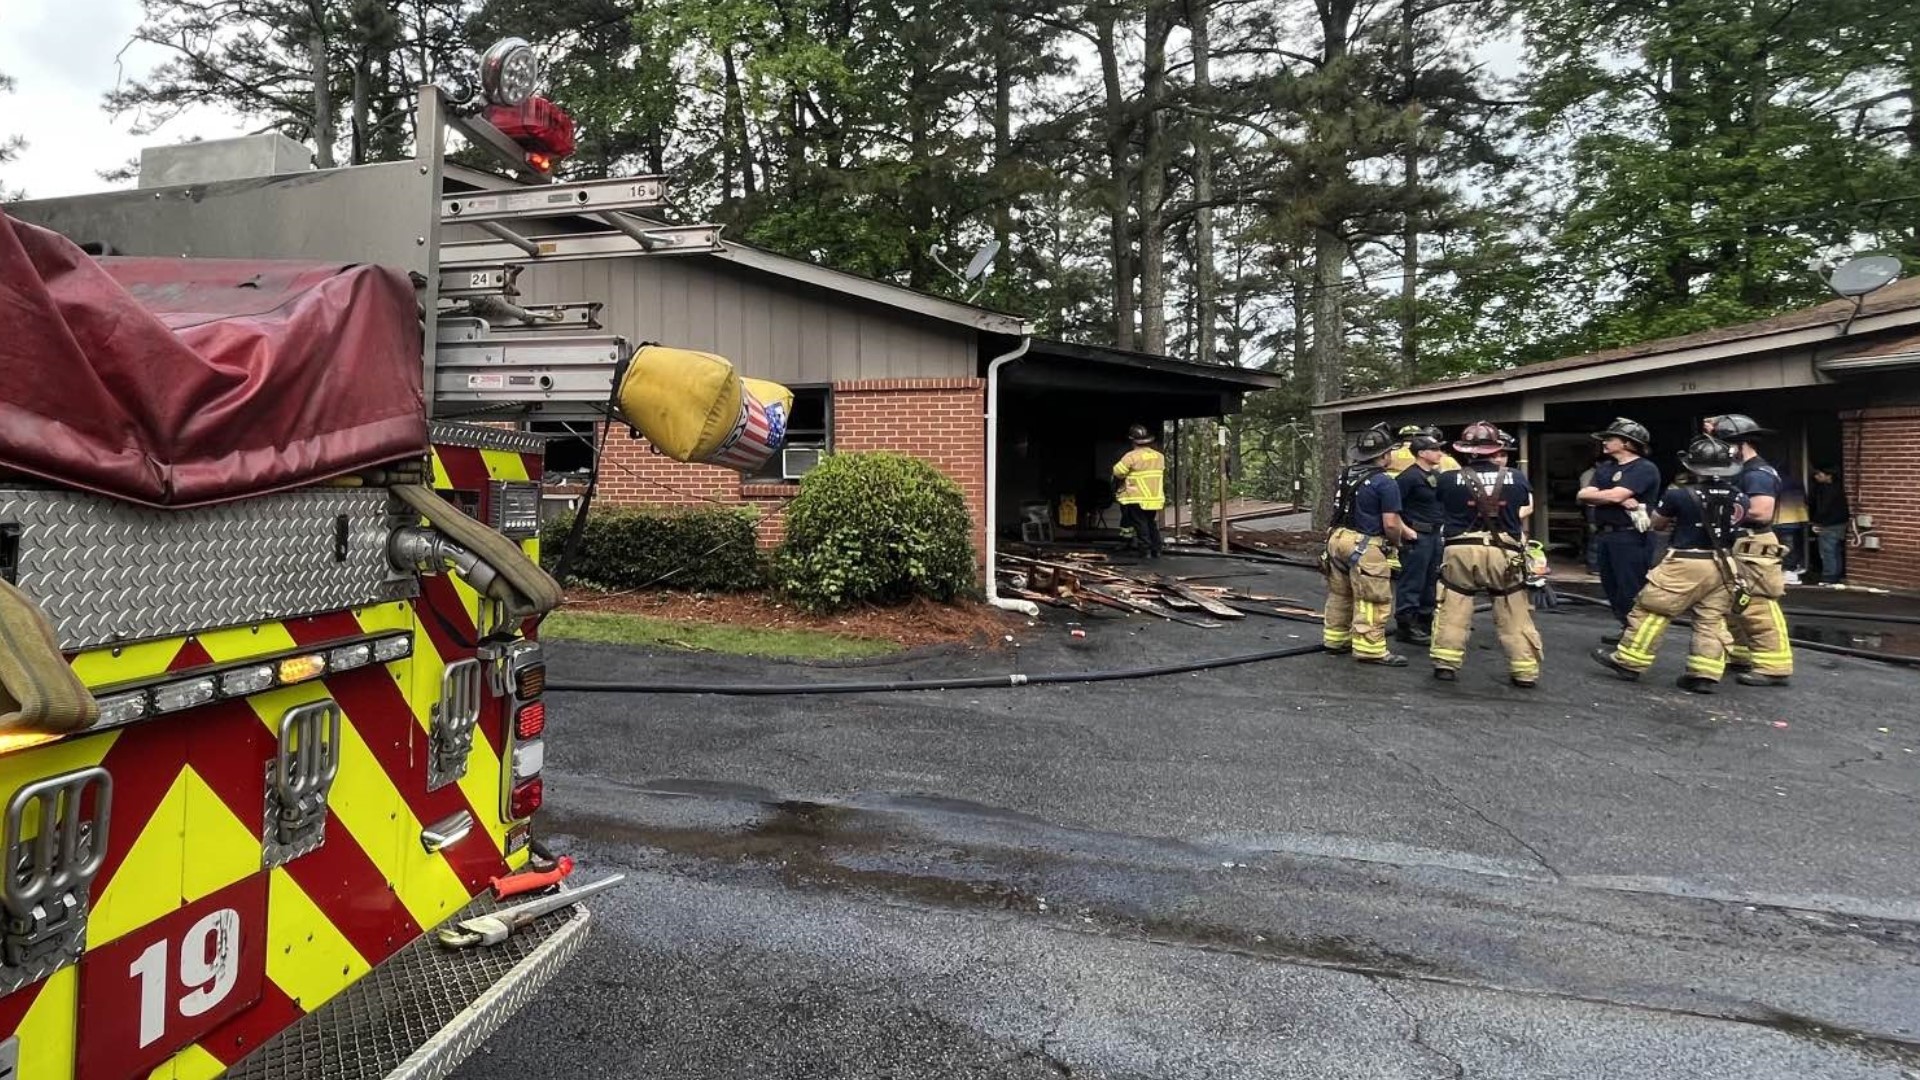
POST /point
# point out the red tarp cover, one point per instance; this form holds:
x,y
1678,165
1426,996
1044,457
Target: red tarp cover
x,y
181,382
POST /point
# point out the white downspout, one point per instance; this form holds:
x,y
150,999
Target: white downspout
x,y
1024,607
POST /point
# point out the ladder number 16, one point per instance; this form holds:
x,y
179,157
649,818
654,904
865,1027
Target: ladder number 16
x,y
209,963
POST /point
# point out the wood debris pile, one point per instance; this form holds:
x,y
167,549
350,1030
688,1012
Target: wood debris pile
x,y
1084,581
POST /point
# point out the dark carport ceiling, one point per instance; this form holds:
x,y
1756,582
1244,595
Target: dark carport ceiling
x,y
1174,387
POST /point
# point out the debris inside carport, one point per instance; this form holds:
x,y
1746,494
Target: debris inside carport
x,y
1084,581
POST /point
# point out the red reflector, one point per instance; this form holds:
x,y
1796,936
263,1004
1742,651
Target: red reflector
x,y
538,125
527,798
531,721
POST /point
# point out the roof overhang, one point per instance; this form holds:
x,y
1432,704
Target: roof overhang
x,y
1547,379
1063,373
797,270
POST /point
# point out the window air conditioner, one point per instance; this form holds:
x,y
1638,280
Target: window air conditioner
x,y
798,461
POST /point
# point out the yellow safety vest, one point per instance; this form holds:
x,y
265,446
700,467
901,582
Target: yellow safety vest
x,y
1142,469
1400,457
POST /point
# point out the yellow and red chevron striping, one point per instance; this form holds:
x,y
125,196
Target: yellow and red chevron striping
x,y
190,809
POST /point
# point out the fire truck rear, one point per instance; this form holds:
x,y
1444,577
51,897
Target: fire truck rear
x,y
270,691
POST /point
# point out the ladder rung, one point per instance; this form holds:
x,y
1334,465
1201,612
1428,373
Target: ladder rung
x,y
666,240
553,200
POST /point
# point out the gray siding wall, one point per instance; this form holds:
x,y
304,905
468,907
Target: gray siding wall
x,y
770,328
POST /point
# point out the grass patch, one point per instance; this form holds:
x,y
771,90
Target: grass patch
x,y
609,628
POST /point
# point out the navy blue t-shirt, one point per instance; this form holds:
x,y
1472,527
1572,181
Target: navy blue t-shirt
x,y
1640,476
1459,491
1683,506
1420,497
1759,478
1378,495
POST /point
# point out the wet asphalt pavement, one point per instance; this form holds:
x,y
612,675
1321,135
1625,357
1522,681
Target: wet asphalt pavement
x,y
1300,868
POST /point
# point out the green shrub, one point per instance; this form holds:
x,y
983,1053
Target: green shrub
x,y
705,550
875,528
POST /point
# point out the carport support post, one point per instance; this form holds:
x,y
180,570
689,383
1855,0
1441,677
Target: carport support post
x,y
1223,485
1538,482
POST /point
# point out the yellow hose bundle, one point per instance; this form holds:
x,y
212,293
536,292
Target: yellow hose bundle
x,y
695,407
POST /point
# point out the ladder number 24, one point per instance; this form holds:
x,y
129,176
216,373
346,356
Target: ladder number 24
x,y
208,964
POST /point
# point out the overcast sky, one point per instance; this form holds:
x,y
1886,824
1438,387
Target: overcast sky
x,y
61,56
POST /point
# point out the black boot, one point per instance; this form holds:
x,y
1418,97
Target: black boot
x,y
1749,678
1411,633
1389,660
1604,657
1695,684
1446,674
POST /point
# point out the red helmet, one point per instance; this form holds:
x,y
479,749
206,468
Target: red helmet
x,y
1480,439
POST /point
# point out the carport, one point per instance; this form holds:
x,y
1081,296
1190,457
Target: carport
x,y
1065,410
1837,382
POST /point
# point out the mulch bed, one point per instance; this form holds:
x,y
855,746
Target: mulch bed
x,y
919,622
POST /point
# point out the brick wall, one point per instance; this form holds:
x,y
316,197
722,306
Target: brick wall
x,y
940,420
1879,480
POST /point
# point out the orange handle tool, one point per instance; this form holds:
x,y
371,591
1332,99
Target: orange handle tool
x,y
532,881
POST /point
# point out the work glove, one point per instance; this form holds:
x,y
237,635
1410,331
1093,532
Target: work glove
x,y
1642,520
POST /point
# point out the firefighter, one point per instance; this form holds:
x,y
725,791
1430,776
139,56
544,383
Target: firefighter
x,y
1761,652
1140,476
1486,554
1413,586
1358,558
1699,573
1621,495
1403,454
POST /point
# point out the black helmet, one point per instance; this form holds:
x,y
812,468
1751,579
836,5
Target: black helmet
x,y
1507,441
1708,456
1375,442
1408,431
1424,441
1139,435
1736,428
1630,430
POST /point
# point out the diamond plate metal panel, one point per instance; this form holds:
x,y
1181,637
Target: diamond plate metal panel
x,y
416,1016
107,572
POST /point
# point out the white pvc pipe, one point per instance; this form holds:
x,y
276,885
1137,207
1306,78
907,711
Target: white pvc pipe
x,y
1024,607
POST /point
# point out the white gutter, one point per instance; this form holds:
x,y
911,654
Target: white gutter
x,y
1024,607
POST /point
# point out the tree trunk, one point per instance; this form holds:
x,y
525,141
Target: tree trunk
x,y
362,78
1002,122
736,111
1329,357
322,90
1119,191
1204,317
1153,180
1410,241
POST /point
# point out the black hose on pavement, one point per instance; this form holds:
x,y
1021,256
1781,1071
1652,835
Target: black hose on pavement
x,y
972,682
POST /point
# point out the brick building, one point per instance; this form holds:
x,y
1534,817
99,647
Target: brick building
x,y
873,367
1840,385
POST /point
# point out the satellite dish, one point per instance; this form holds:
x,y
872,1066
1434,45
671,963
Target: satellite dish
x,y
984,258
1865,274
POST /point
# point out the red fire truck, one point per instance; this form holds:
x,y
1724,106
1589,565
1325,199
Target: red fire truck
x,y
271,704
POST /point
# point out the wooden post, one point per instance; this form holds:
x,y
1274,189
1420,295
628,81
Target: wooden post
x,y
1223,485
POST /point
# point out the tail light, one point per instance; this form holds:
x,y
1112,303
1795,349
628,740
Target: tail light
x,y
524,681
526,798
531,720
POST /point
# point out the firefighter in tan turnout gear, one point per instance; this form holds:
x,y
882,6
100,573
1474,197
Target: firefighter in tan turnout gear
x,y
1699,573
1760,650
1359,557
1486,555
